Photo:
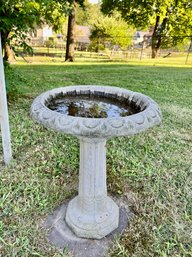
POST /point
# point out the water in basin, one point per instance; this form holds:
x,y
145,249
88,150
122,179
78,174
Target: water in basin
x,y
91,106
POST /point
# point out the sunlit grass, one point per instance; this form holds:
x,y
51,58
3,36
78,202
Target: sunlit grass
x,y
174,60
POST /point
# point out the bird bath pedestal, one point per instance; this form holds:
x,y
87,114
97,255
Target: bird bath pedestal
x,y
92,214
94,114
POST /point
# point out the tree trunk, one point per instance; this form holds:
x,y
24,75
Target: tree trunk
x,y
70,46
8,54
158,33
154,52
154,38
4,37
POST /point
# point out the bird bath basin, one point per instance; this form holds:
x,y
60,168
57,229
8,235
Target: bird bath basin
x,y
94,114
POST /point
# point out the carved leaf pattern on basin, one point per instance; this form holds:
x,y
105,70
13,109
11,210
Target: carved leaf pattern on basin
x,y
149,115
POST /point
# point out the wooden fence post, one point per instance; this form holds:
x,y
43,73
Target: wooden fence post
x,y
188,52
4,121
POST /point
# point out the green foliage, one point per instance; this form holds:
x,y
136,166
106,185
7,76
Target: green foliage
x,y
96,45
87,13
171,20
51,42
111,31
12,79
54,13
18,17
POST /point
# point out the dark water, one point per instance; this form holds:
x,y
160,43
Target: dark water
x,y
91,106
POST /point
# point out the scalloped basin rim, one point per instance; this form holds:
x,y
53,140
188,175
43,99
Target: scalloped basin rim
x,y
149,116
92,105
57,91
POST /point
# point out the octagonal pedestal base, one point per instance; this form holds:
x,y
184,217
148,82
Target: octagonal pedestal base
x,y
62,237
101,220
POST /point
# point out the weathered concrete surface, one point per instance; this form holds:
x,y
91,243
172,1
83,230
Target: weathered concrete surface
x,y
60,235
92,214
4,119
149,116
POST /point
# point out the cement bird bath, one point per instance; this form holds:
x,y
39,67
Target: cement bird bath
x,y
94,114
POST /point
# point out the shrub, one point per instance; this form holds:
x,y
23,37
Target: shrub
x,y
12,79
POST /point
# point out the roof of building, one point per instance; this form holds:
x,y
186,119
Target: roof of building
x,y
83,34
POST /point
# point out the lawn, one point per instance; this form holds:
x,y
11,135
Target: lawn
x,y
150,172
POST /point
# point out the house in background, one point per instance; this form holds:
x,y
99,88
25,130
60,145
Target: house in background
x,y
142,37
38,36
82,37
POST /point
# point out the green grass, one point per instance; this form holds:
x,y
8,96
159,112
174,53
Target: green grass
x,y
151,172
176,58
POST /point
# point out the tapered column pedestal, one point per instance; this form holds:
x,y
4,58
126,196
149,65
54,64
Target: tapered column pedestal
x,y
92,214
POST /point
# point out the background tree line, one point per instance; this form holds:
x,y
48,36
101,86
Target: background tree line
x,y
116,21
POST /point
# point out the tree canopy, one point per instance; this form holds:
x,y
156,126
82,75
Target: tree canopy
x,y
171,19
111,31
87,13
17,17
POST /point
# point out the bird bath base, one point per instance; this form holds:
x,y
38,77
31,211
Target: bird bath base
x,y
62,237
